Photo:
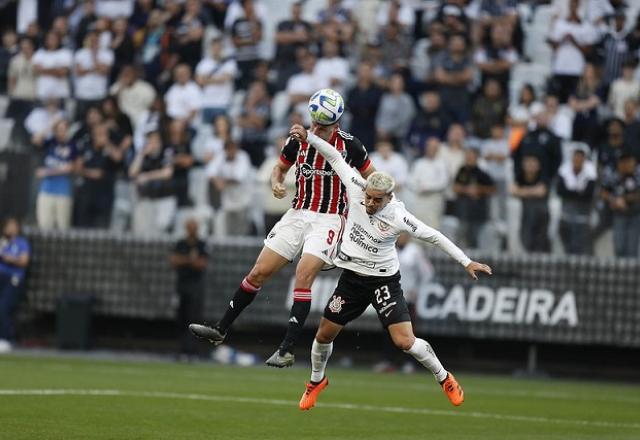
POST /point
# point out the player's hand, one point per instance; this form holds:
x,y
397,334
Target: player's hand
x,y
279,190
298,132
474,267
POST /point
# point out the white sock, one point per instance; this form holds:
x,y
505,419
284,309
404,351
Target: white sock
x,y
319,357
422,351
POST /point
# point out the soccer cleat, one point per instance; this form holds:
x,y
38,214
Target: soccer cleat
x,y
278,360
212,334
453,390
310,395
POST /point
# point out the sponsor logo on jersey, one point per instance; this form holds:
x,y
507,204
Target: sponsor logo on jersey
x,y
383,226
308,171
335,305
410,224
271,235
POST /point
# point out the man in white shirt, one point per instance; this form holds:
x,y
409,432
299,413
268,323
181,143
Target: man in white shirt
x,y
216,76
52,64
231,174
332,67
570,39
371,275
183,99
92,66
429,179
391,162
135,95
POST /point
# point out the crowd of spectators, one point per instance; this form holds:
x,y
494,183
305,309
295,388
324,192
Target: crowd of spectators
x,y
148,112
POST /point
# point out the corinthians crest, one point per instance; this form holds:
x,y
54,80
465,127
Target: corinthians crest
x,y
335,305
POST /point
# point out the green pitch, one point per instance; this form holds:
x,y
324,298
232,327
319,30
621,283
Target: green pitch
x,y
61,398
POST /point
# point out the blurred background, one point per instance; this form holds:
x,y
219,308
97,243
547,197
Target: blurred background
x,y
513,127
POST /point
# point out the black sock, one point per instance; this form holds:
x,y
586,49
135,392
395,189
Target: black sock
x,y
245,294
299,312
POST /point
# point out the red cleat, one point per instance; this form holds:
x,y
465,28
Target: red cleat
x,y
453,390
310,395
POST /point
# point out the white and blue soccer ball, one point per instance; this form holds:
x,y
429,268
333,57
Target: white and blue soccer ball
x,y
326,106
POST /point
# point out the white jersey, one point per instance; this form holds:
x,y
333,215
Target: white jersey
x,y
368,243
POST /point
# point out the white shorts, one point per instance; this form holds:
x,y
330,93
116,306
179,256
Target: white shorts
x,y
300,230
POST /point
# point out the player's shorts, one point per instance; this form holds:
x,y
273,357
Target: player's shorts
x,y
355,292
300,230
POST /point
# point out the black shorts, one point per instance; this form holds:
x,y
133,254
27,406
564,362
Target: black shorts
x,y
355,292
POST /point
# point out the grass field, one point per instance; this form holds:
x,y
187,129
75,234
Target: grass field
x,y
66,398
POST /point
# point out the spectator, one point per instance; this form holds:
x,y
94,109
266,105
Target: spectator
x,y
231,176
95,195
624,88
216,75
489,109
183,161
426,52
86,22
395,47
526,100
395,11
473,188
632,124
571,40
621,191
584,103
331,67
189,259
254,120
152,170
363,101
189,32
432,120
453,75
576,187
532,188
52,65
275,208
542,143
495,153
614,48
39,123
21,87
154,48
183,98
560,118
150,120
246,33
395,113
83,137
612,149
15,253
292,35
389,161
302,85
92,66
495,59
60,27
429,179
134,95
61,162
452,15
122,47
336,23
8,50
118,123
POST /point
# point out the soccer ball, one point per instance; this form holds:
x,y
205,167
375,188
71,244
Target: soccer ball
x,y
326,107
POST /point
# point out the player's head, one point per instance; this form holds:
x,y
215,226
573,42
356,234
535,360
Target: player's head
x,y
323,131
378,192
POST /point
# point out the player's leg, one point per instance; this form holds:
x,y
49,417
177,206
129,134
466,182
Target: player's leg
x,y
319,242
321,350
306,271
268,263
402,336
280,247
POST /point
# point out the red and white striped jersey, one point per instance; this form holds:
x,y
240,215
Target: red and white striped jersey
x,y
318,187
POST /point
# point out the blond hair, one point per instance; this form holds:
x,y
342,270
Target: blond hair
x,y
381,181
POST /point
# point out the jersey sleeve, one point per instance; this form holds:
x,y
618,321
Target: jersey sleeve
x,y
351,180
358,155
426,233
289,151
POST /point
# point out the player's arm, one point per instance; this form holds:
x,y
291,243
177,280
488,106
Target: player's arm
x,y
288,156
423,232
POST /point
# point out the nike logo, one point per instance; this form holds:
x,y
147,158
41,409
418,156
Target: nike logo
x,y
386,315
